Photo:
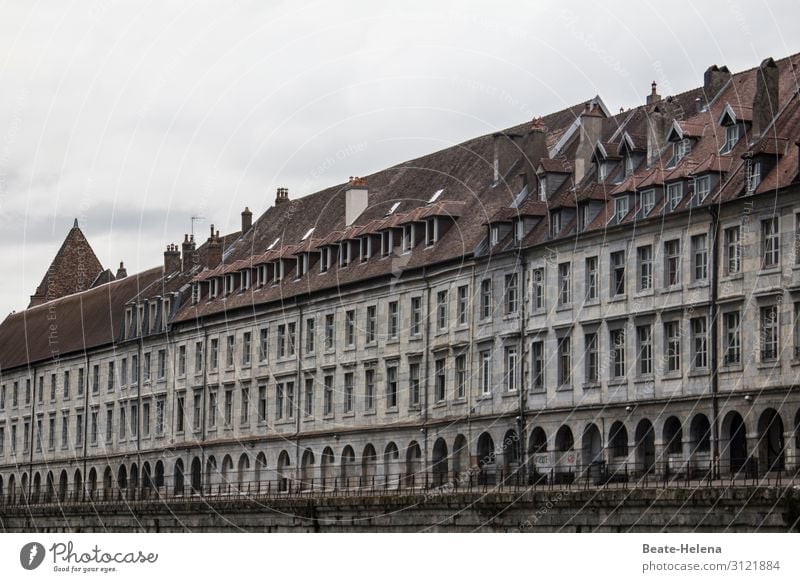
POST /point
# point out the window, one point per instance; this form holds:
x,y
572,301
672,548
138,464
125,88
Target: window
x,y
555,224
408,237
542,188
372,319
290,400
440,385
733,250
586,216
591,278
461,375
228,411
648,201
416,316
369,389
51,432
198,357
733,351
431,231
308,397
512,293
618,353
247,348
511,369
386,243
146,419
645,258
441,310
486,299
463,301
95,383
64,430
197,411
180,417
212,409
628,164
672,333
78,430
310,335
214,353
537,365
348,392
181,360
282,341
680,149
262,403
702,186
699,342
292,337
618,273
538,289
564,361
769,333
674,194
146,369
672,262
279,401
394,319
391,386
731,137
590,342
519,230
770,242
93,428
620,207
494,235
486,371
330,331
564,284
324,259
327,396
52,391
644,337
162,364
700,257
350,327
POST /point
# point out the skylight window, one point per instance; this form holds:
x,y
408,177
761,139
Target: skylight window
x,y
435,196
392,209
272,246
308,234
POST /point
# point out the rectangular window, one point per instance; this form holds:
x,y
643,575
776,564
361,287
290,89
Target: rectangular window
x,y
214,354
733,351
537,365
769,333
180,416
308,397
590,341
290,400
162,364
672,334
350,327
394,319
564,361
486,299
263,344
731,137
247,348
51,432
330,331
123,420
212,409
620,207
310,335
134,420
440,380
197,411
645,259
699,342
617,338
81,382
416,316
160,402
327,404
441,310
78,430
674,195
486,371
369,389
648,201
93,428
198,357
146,367
279,401
372,323
95,380
228,416
512,293
672,262
618,273
564,284
292,337
538,289
282,341
702,186
391,386
770,242
700,257
64,430
463,302
511,372
146,419
181,360
591,278
461,376
644,338
348,392
262,403
733,250
414,385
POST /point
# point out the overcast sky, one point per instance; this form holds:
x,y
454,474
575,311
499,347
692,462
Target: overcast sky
x,y
135,116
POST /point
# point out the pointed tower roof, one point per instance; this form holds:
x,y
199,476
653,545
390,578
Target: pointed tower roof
x,y
74,268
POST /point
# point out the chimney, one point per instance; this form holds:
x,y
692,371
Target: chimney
x,y
356,197
121,272
714,80
657,125
282,196
506,152
765,102
247,219
534,147
653,97
591,126
189,253
172,260
214,249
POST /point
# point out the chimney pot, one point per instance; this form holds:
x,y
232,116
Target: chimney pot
x,y
121,272
654,96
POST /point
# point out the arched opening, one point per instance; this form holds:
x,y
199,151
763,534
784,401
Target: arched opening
x,y
37,488
511,455
645,438
539,462
243,471
197,476
592,453
734,447
369,464
797,429
108,483
771,446
147,479
50,488
2,491
133,480
700,443
159,481
327,469
307,470
261,469
226,476
618,441
673,437
77,486
12,489
211,473
487,459
391,466
92,483
63,485
177,478
348,465
122,479
565,459
461,458
414,477
439,460
24,488
284,467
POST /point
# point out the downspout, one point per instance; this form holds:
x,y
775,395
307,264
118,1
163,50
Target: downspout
x,y
33,434
202,485
521,384
427,363
86,396
298,391
471,350
714,212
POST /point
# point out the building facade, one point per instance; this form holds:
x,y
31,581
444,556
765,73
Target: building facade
x,y
587,294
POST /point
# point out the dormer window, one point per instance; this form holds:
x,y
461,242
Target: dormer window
x,y
648,198
702,186
408,237
386,243
542,188
245,279
129,329
602,171
674,194
555,224
302,263
731,137
213,288
431,231
494,235
519,231
752,174
279,270
262,275
228,284
586,215
344,253
620,208
324,259
680,149
628,164
366,248
195,294
165,314
153,322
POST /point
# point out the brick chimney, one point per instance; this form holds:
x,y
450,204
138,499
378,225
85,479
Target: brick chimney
x,y
189,253
765,102
506,153
715,79
282,196
247,219
657,125
356,198
122,272
591,126
214,249
534,148
654,96
172,259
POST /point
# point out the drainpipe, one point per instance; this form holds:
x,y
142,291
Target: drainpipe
x,y
471,351
202,416
521,385
86,397
714,312
298,391
33,434
427,363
